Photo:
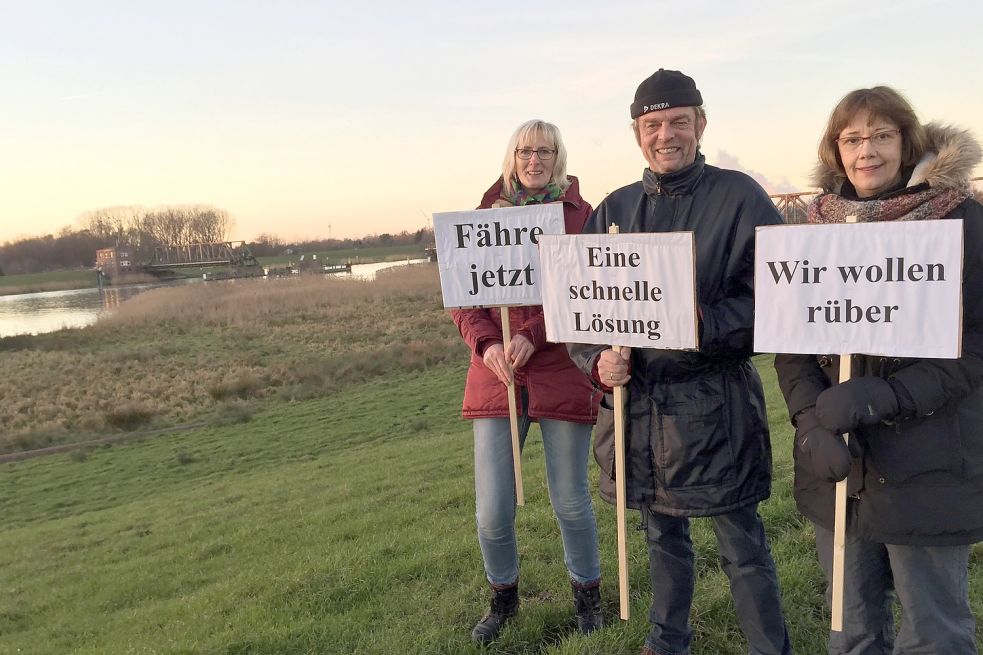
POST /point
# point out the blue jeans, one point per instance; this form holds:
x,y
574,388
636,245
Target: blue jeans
x,y
745,559
567,447
931,582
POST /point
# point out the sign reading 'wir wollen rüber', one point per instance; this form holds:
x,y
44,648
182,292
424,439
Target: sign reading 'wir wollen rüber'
x,y
890,288
489,257
620,289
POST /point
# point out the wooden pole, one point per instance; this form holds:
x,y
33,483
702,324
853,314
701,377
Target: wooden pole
x,y
619,484
839,516
619,481
839,527
520,498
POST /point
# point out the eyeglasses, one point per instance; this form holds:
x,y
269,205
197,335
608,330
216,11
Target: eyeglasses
x,y
544,154
882,138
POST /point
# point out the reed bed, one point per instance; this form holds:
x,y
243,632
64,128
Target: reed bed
x,y
208,352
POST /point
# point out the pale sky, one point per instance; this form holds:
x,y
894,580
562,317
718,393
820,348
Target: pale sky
x,y
313,119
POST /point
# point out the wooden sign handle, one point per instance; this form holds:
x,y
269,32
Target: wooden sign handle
x,y
520,498
839,517
619,483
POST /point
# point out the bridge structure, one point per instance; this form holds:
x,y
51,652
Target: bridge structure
x,y
201,255
794,206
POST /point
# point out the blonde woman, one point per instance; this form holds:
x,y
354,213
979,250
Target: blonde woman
x,y
550,390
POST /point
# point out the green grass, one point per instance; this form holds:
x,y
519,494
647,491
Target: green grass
x,y
324,501
53,281
54,276
343,524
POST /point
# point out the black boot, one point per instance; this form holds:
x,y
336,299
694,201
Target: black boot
x,y
587,601
504,605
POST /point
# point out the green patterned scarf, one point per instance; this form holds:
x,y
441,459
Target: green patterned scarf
x,y
550,193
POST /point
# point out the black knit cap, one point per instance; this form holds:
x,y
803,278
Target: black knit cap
x,y
664,90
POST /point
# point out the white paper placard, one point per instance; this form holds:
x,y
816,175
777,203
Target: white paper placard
x,y
875,288
630,289
489,257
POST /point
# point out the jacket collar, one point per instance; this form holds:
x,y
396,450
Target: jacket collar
x,y
676,183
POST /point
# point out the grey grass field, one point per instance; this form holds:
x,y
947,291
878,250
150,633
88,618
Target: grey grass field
x,y
337,520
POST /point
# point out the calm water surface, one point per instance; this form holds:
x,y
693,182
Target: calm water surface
x,y
35,313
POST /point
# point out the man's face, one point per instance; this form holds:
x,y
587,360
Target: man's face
x,y
669,138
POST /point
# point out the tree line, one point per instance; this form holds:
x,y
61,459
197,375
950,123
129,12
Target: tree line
x,y
139,230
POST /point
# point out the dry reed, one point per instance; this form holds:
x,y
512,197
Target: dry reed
x,y
181,353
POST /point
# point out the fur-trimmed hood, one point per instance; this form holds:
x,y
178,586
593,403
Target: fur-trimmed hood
x,y
949,161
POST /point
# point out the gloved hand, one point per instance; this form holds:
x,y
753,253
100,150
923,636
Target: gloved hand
x,y
824,452
859,401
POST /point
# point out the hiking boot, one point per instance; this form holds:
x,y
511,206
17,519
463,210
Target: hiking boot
x,y
587,603
504,605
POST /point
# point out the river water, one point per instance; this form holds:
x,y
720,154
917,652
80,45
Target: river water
x,y
35,313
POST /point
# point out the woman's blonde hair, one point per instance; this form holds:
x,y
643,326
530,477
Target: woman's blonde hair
x,y
879,102
551,133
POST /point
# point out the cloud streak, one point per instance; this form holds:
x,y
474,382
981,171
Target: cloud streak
x,y
727,160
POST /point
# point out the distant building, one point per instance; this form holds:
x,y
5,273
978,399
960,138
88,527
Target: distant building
x,y
112,261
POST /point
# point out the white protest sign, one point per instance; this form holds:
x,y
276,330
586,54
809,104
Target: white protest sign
x,y
875,288
490,257
627,289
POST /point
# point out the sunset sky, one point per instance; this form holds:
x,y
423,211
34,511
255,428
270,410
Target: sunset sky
x,y
313,119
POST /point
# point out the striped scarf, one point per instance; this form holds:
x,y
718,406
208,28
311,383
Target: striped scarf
x,y
921,205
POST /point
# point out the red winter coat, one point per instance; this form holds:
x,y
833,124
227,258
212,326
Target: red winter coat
x,y
556,388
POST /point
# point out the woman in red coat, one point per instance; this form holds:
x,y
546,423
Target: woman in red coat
x,y
549,389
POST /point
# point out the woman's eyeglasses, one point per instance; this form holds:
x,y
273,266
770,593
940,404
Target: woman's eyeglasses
x,y
882,138
544,154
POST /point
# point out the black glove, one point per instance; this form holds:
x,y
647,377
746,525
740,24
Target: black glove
x,y
860,401
823,452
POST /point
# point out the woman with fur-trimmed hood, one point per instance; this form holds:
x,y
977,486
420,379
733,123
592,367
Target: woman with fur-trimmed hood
x,y
915,462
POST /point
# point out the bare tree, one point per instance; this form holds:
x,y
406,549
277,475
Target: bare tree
x,y
208,224
112,224
140,230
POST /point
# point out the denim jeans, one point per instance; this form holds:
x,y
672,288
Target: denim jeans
x,y
745,559
566,446
931,582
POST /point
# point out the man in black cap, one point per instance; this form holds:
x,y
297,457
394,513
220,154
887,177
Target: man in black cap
x,y
697,440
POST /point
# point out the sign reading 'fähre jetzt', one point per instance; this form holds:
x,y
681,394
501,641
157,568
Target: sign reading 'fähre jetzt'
x,y
877,288
489,257
621,289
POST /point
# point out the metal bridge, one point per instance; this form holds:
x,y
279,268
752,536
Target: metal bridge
x,y
794,206
222,253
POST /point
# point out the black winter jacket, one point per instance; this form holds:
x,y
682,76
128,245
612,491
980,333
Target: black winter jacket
x,y
919,480
697,440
